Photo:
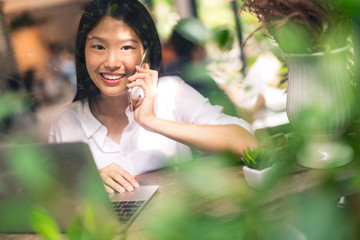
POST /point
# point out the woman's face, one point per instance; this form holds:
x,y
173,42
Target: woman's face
x,y
112,50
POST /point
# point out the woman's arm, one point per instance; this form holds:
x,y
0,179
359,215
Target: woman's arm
x,y
207,138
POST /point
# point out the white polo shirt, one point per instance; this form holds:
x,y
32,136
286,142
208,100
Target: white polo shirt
x,y
139,150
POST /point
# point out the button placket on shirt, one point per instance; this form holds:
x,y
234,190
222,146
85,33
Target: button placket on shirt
x,y
124,146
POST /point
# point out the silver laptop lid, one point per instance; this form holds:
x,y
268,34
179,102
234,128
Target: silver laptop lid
x,y
143,193
60,181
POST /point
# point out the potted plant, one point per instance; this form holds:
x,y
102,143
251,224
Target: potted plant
x,y
306,26
259,167
313,36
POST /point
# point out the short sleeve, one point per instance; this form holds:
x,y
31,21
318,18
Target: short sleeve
x,y
190,106
67,126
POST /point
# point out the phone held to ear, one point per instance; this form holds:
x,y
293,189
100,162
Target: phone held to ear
x,y
136,92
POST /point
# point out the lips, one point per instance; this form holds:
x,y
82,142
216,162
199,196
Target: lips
x,y
112,78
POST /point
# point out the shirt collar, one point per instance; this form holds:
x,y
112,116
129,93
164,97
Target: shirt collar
x,y
88,121
91,125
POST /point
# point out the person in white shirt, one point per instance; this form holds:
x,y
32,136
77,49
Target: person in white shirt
x,y
169,119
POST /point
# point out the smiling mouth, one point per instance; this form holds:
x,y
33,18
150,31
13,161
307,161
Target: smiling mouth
x,y
112,78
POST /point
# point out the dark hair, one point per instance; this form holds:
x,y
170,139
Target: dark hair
x,y
187,34
133,13
182,46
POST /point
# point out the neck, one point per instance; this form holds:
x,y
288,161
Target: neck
x,y
110,106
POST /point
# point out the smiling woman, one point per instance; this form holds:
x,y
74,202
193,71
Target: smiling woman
x,y
166,123
112,50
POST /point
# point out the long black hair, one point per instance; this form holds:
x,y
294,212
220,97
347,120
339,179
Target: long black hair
x,y
133,13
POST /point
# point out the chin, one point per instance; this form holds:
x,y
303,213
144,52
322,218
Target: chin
x,y
115,93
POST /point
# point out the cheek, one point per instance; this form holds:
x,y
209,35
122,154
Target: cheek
x,y
130,64
90,63
137,61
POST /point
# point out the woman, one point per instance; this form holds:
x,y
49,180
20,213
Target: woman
x,y
171,117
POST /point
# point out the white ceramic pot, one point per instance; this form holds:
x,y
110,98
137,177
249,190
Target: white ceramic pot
x,y
320,104
320,97
259,179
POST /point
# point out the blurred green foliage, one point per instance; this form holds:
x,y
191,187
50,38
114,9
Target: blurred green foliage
x,y
303,26
36,196
12,103
212,203
44,224
224,37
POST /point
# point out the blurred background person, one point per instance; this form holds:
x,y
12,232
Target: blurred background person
x,y
186,57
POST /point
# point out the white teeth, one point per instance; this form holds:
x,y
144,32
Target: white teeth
x,y
112,77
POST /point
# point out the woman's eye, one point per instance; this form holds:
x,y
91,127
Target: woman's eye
x,y
98,47
127,48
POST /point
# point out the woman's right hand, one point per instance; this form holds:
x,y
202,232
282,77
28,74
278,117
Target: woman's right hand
x,y
116,178
147,79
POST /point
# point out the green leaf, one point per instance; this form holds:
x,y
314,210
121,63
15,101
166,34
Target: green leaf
x,y
258,158
113,8
44,224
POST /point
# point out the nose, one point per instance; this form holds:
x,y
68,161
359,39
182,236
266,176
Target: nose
x,y
113,60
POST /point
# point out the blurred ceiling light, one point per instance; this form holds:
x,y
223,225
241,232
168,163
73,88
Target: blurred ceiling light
x,y
21,5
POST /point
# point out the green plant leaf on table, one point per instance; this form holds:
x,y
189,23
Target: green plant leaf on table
x,y
258,158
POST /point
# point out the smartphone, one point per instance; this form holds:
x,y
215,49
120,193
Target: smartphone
x,y
136,92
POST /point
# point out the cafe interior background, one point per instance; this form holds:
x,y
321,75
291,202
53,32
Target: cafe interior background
x,y
37,79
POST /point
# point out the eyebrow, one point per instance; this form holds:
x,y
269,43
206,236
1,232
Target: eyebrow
x,y
94,38
90,38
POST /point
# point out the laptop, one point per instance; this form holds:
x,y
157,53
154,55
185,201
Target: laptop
x,y
59,185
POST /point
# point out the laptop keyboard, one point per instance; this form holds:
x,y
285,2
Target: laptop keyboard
x,y
125,210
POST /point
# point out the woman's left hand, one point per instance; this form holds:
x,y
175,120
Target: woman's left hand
x,y
144,108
